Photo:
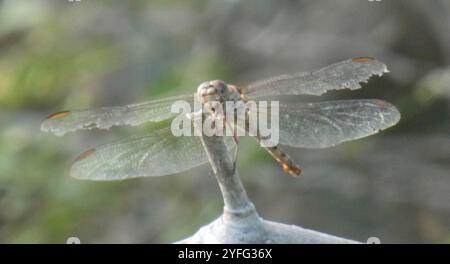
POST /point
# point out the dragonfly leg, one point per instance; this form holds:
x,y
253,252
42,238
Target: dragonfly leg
x,y
235,158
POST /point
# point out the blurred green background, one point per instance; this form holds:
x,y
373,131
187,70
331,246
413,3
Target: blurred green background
x,y
57,55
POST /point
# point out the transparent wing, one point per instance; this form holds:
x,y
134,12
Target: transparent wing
x,y
347,74
325,124
106,117
158,154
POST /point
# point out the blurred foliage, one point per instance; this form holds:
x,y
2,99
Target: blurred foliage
x,y
57,55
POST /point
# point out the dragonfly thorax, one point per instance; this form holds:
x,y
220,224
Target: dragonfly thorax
x,y
216,90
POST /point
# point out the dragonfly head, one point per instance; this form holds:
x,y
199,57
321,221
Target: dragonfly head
x,y
213,91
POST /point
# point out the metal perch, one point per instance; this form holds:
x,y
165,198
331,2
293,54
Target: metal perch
x,y
240,223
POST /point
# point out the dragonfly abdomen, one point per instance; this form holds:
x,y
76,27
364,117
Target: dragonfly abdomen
x,y
280,156
284,160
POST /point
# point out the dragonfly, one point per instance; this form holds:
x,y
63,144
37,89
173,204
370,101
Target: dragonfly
x,y
318,124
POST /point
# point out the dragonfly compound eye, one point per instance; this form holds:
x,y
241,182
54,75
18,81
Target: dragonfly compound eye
x,y
220,86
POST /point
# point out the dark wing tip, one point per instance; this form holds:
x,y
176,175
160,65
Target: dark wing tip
x,y
382,103
48,125
58,115
84,155
395,114
363,59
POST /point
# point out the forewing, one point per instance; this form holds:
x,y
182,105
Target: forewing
x,y
106,117
348,74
